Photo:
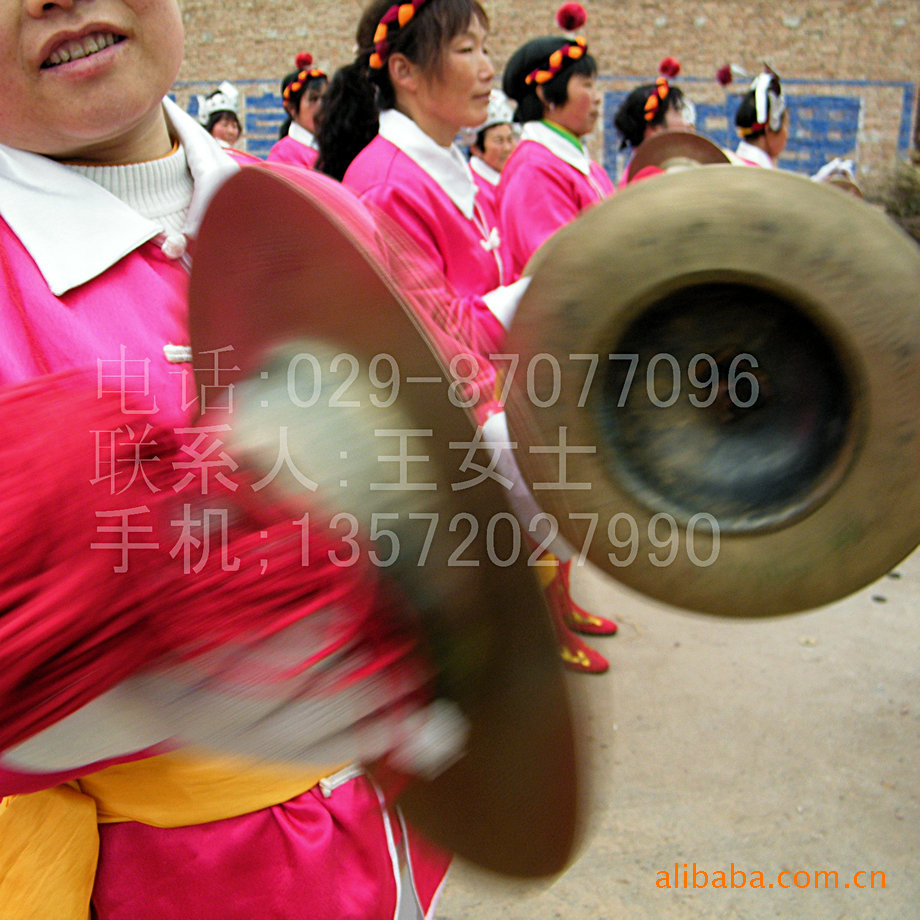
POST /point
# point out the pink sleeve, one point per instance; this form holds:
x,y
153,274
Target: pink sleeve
x,y
87,605
534,203
241,157
455,322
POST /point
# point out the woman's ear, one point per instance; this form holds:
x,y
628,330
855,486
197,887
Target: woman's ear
x,y
403,73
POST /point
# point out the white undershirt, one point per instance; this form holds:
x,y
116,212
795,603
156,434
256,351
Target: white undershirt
x,y
160,190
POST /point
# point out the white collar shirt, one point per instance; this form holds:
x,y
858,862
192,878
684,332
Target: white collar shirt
x,y
91,229
300,134
445,165
558,145
484,171
755,155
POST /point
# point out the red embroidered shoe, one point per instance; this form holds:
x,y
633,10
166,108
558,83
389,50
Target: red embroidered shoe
x,y
576,655
579,619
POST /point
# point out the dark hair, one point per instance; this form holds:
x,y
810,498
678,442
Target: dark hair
x,y
479,142
630,120
348,120
532,56
746,116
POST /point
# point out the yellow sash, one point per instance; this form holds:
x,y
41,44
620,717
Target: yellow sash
x,y
182,788
48,848
49,840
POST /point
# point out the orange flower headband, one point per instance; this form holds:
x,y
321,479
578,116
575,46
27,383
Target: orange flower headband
x,y
396,17
571,51
659,94
295,86
669,67
304,60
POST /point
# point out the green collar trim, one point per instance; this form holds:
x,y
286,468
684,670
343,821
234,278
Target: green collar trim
x,y
564,132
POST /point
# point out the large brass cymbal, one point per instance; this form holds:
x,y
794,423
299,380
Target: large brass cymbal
x,y
291,273
761,421
675,149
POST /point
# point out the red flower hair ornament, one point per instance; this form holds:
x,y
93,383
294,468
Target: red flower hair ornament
x,y
571,16
726,75
398,16
669,67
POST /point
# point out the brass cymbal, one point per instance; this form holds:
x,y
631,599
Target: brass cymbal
x,y
291,273
671,149
748,438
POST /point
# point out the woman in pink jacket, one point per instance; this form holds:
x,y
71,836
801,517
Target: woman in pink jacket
x,y
550,178
387,131
103,183
547,182
301,93
649,110
491,146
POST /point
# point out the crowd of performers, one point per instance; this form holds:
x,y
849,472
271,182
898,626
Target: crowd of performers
x,y
103,185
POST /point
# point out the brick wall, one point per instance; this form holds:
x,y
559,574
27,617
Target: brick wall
x,y
862,50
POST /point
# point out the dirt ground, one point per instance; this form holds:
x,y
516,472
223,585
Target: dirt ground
x,y
786,746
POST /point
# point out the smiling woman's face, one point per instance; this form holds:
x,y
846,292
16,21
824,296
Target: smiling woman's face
x,y
498,142
83,79
226,129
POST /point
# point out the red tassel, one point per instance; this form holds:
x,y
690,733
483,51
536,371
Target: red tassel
x,y
571,16
303,60
724,75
